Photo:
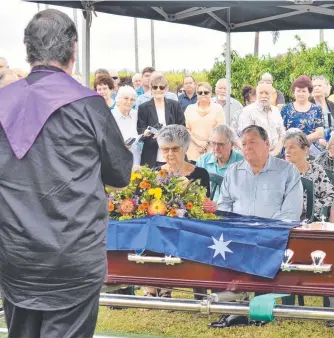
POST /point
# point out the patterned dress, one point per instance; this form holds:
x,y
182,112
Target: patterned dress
x,y
307,122
323,188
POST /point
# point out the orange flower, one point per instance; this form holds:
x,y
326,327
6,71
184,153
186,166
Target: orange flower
x,y
162,173
145,204
142,184
111,206
189,205
127,206
142,207
157,207
147,185
172,213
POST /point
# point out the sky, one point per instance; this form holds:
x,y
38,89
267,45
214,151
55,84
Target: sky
x,y
178,47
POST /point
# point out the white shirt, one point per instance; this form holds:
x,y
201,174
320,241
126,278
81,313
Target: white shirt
x,y
162,120
128,128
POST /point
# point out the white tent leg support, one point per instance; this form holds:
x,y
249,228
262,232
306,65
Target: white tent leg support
x,y
228,77
86,51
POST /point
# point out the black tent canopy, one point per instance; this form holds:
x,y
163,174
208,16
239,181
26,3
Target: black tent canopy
x,y
226,16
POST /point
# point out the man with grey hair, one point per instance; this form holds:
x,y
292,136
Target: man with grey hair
x,y
136,80
261,185
222,156
7,76
60,146
3,63
263,114
277,97
220,98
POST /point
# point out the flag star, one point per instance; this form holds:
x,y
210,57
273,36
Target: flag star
x,y
220,246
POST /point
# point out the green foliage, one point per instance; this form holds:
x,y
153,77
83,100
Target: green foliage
x,y
285,68
174,78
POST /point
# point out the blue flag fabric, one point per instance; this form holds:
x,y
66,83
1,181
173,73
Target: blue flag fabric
x,y
247,244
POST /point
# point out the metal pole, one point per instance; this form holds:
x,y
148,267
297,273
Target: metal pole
x,y
136,45
77,56
228,70
152,44
234,308
322,36
86,50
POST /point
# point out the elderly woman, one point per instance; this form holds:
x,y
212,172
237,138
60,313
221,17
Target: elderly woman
x,y
320,93
104,85
326,158
126,119
297,148
157,112
174,142
201,118
303,114
222,141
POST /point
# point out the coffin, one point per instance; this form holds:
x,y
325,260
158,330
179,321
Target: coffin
x,y
307,269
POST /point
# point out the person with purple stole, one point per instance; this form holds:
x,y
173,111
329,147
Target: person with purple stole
x,y
59,147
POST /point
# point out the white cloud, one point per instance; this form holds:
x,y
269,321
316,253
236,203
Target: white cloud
x,y
112,40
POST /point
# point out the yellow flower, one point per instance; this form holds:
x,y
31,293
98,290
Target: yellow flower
x,y
151,191
135,175
157,193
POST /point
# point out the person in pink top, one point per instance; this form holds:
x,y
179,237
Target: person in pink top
x,y
201,118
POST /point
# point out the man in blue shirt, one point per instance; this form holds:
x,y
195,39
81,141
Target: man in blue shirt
x,y
145,81
222,156
189,96
260,185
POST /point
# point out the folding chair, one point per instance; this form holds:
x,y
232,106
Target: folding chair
x,y
216,182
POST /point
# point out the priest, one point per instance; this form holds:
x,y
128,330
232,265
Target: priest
x,y
59,147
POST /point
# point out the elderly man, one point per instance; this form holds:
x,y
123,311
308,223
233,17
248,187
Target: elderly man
x,y
136,80
222,156
114,75
148,95
60,146
260,185
277,97
263,114
220,98
189,95
7,76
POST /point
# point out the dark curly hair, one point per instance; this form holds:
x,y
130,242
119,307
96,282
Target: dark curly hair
x,y
104,80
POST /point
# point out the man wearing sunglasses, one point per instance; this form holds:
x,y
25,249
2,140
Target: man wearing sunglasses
x,y
148,95
115,77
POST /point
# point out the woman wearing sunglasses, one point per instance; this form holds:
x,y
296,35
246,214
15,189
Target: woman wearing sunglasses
x,y
159,111
201,118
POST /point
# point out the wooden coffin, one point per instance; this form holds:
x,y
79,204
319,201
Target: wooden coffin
x,y
187,274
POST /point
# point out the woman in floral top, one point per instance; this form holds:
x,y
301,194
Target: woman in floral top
x,y
297,148
303,114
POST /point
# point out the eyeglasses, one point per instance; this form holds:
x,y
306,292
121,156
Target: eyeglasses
x,y
160,87
128,99
204,92
181,91
218,144
173,149
114,77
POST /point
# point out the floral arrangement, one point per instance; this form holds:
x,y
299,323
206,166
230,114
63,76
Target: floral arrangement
x,y
160,193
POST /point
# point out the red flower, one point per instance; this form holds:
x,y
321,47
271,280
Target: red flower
x,y
127,206
209,206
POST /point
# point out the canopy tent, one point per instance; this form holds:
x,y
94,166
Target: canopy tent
x,y
226,16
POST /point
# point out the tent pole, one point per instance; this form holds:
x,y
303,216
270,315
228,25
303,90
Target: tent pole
x,y
86,50
228,76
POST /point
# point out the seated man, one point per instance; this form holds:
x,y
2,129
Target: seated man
x,y
260,185
222,141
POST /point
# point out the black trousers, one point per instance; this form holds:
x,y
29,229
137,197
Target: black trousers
x,y
76,322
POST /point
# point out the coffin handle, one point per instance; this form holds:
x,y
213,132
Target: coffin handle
x,y
317,265
168,260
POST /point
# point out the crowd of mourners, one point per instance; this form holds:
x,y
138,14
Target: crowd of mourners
x,y
259,157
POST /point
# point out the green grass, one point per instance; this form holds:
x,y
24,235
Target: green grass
x,y
194,325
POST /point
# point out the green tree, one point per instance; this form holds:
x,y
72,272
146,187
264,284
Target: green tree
x,y
285,68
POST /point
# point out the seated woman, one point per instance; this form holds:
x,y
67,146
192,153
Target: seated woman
x,y
326,158
297,148
173,140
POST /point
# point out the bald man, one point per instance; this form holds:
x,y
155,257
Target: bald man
x,y
7,76
262,113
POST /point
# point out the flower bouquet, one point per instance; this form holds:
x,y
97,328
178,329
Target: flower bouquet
x,y
160,193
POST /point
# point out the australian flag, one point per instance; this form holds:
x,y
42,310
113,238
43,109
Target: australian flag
x,y
246,244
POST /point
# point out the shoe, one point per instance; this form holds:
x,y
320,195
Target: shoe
x,y
258,322
230,320
330,323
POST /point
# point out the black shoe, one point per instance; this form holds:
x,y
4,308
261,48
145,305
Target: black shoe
x,y
330,323
230,320
258,322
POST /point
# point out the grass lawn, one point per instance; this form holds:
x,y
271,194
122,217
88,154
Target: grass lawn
x,y
134,323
